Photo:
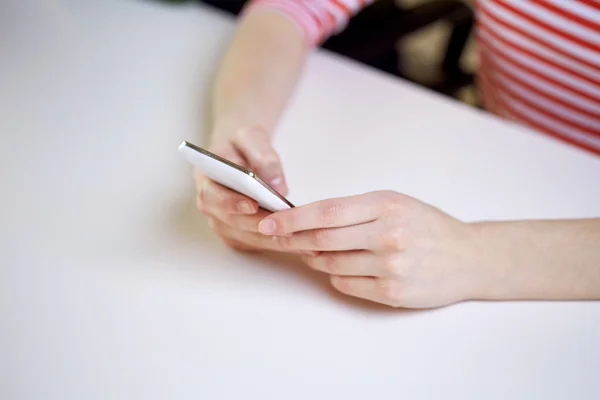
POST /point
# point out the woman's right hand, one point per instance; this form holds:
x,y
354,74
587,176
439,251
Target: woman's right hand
x,y
233,216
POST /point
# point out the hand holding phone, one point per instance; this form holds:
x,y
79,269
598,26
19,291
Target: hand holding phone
x,y
234,177
235,216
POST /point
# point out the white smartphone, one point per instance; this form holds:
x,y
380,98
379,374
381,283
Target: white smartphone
x,y
235,177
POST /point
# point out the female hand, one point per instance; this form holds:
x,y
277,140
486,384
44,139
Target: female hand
x,y
385,247
233,216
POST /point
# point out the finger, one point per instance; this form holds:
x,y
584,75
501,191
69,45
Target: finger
x,y
239,221
255,145
239,246
379,290
235,244
356,237
245,222
215,198
329,213
346,263
249,239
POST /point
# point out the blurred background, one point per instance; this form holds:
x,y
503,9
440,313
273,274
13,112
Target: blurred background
x,y
429,42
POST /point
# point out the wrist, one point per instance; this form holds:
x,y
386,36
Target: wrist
x,y
224,129
537,260
507,268
492,278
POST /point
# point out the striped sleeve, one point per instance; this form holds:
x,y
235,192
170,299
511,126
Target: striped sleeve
x,y
540,65
318,19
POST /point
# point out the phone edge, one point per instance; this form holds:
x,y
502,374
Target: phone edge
x,y
244,170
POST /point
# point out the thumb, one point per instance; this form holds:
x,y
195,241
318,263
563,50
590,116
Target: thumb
x,y
255,145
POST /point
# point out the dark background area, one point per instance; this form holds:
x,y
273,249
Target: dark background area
x,y
372,37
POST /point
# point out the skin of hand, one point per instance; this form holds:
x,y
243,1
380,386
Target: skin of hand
x,y
233,216
382,246
396,250
255,80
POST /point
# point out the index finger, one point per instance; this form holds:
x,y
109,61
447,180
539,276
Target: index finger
x,y
331,213
214,197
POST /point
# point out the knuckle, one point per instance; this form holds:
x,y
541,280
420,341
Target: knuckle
x,y
394,240
393,201
221,199
244,134
329,265
392,266
283,242
230,205
270,158
320,237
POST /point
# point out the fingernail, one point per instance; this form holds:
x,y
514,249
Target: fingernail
x,y
276,181
277,184
245,207
267,226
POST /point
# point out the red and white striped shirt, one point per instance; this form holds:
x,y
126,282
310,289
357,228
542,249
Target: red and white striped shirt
x,y
539,59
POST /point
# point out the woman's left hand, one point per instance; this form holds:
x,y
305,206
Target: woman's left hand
x,y
385,247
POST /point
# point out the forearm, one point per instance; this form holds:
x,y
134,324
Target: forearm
x,y
540,259
259,73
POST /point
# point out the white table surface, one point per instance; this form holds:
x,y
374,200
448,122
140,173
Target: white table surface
x,y
111,286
